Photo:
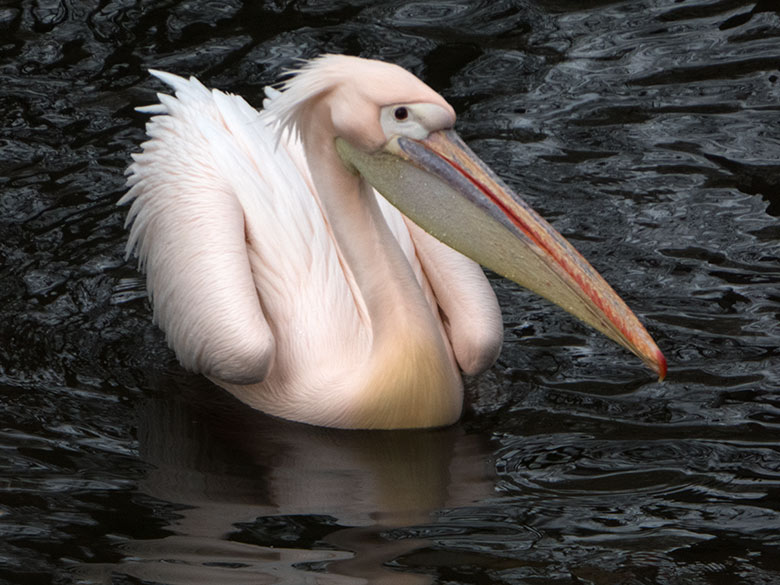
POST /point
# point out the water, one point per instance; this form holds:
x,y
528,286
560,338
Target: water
x,y
646,131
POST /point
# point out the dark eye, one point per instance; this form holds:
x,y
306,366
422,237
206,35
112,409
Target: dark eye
x,y
401,113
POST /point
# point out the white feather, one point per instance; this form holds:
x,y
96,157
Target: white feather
x,y
243,269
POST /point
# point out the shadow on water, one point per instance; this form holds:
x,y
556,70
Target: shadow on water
x,y
645,131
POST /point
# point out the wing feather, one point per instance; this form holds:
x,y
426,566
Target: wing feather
x,y
189,233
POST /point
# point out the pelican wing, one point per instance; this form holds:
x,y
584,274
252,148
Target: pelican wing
x,y
189,232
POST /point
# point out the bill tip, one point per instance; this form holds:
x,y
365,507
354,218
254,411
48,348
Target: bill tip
x,y
660,361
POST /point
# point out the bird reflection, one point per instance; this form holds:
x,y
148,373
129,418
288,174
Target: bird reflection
x,y
232,470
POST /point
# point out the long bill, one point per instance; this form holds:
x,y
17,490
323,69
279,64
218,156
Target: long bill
x,y
441,185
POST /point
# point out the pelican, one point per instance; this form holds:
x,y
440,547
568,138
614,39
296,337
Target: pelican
x,y
277,269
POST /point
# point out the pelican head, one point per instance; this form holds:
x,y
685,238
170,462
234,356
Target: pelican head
x,y
396,134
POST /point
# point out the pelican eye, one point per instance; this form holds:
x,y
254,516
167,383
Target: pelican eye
x,y
415,121
401,113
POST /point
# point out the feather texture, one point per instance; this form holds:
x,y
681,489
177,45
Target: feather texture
x,y
245,274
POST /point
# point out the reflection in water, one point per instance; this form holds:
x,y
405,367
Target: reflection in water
x,y
245,483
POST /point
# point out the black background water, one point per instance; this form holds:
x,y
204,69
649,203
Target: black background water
x,y
648,132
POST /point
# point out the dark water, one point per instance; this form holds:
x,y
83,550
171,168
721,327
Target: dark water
x,y
647,131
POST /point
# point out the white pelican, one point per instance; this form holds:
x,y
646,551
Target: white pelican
x,y
277,270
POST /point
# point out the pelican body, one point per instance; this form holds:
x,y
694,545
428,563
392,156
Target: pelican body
x,y
319,258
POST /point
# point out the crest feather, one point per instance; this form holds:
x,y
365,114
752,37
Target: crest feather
x,y
315,78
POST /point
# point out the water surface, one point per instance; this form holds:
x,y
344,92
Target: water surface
x,y
648,132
